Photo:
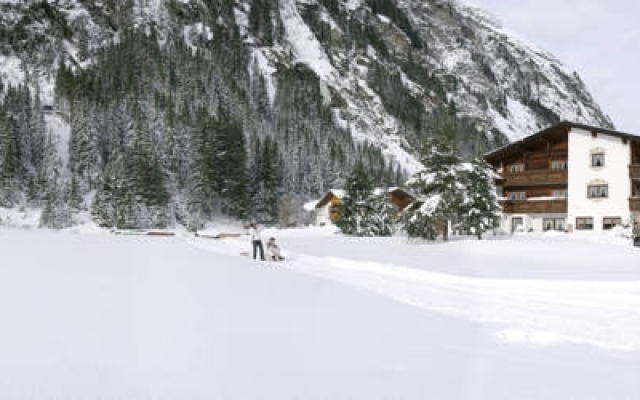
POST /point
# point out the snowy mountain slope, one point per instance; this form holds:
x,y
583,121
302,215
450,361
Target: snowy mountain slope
x,y
370,55
186,318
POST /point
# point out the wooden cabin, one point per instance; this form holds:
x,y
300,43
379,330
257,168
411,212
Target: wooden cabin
x,y
327,207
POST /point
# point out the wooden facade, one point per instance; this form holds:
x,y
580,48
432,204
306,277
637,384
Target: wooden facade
x,y
552,206
634,171
534,174
535,178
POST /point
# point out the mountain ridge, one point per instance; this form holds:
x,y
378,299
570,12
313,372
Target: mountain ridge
x,y
323,79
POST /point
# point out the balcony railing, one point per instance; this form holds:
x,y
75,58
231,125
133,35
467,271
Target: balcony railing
x,y
634,203
555,206
634,171
535,177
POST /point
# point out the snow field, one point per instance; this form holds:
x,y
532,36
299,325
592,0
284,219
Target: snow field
x,y
101,316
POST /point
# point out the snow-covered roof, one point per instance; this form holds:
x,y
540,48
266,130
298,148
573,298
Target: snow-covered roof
x,y
310,205
337,193
499,152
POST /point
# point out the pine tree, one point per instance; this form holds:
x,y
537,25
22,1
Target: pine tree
x,y
84,157
10,161
232,175
104,209
437,185
56,213
264,181
479,209
354,208
380,221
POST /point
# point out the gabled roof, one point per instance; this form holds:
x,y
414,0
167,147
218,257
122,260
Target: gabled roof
x,y
337,193
401,191
562,127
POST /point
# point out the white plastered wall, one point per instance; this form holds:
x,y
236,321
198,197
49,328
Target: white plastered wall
x,y
614,173
322,215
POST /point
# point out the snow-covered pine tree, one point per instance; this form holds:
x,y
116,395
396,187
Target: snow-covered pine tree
x,y
437,186
380,219
354,208
103,209
232,177
56,213
37,183
9,159
203,164
264,181
479,211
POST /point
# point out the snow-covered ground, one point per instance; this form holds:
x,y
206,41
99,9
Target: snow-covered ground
x,y
91,315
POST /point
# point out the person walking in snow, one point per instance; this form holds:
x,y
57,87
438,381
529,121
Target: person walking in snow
x,y
256,240
273,250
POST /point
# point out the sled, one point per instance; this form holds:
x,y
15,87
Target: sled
x,y
267,258
275,259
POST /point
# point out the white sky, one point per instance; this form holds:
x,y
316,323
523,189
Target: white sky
x,y
599,39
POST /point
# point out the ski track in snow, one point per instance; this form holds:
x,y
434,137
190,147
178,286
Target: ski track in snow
x,y
538,313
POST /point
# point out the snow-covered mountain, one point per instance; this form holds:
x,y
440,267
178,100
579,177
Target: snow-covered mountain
x,y
315,75
426,53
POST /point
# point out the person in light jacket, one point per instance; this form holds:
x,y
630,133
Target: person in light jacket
x,y
274,250
256,240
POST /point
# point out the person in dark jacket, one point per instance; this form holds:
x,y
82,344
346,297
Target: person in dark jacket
x,y
256,240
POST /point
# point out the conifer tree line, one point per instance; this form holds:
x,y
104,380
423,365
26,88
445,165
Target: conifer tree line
x,y
449,193
173,134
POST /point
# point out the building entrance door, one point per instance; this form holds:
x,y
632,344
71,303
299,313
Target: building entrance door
x,y
516,222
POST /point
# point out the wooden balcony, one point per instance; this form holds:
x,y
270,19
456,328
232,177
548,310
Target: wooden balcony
x,y
634,171
555,206
634,203
535,178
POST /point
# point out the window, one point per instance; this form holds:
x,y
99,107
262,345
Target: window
x,y
597,159
515,168
517,195
610,222
556,224
584,223
597,191
562,193
559,165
